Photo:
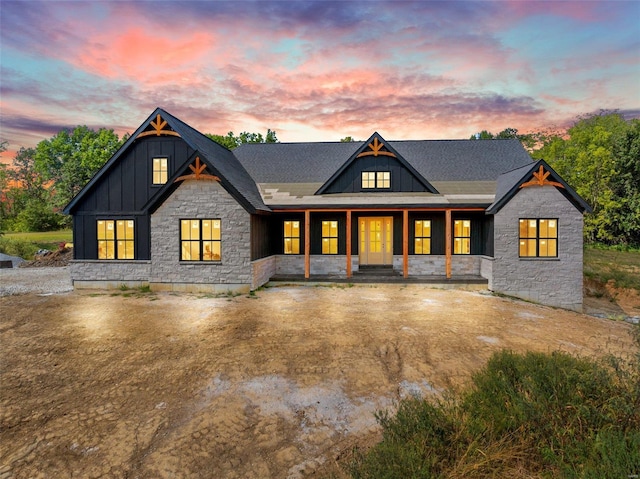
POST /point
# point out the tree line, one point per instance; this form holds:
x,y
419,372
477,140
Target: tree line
x,y
599,156
42,180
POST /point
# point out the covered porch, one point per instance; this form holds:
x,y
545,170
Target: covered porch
x,y
417,244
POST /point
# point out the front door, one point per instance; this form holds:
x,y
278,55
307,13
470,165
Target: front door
x,y
376,240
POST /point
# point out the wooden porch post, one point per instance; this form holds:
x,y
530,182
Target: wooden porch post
x,y
448,242
405,243
307,244
348,243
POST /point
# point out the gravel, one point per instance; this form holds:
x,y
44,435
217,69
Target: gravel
x,y
35,280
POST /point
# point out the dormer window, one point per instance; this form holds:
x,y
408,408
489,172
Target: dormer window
x,y
376,180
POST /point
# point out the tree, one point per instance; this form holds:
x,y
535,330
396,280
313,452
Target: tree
x,y
482,135
626,185
71,158
587,160
28,200
347,139
231,141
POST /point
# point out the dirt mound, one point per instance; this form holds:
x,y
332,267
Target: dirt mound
x,y
50,258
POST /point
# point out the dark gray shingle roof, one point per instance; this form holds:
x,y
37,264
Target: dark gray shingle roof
x,y
435,160
233,175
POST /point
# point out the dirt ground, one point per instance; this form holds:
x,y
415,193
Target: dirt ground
x,y
278,384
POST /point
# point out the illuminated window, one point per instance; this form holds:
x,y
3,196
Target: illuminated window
x,y
115,239
538,238
383,179
462,237
376,179
200,240
329,237
159,171
291,237
423,237
368,179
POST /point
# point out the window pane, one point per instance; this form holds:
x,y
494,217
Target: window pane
x,y
128,250
120,229
426,246
110,230
207,229
457,228
287,229
102,250
295,246
383,179
552,229
325,228
217,229
418,228
544,231
333,246
185,230
552,247
325,246
334,228
211,251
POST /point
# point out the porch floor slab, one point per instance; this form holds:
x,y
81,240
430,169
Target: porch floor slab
x,y
470,282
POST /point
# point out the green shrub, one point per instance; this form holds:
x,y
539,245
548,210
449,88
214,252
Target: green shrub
x,y
531,415
13,247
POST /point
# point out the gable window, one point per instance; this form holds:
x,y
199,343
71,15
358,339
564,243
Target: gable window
x,y
291,237
423,237
115,239
538,238
200,240
160,171
462,237
376,179
329,237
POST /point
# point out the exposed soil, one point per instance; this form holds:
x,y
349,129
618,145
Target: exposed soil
x,y
58,258
280,384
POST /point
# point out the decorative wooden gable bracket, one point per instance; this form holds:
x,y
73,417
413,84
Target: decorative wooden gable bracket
x,y
376,150
197,174
158,128
540,179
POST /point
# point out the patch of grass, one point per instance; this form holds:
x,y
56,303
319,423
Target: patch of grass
x,y
43,240
44,236
531,415
607,264
20,248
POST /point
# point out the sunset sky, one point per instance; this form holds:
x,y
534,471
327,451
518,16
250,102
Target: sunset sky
x,y
315,71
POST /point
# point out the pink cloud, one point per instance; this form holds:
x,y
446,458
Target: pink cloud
x,y
144,56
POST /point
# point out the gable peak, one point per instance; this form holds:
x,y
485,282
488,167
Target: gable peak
x,y
375,146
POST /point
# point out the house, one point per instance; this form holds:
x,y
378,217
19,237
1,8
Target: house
x,y
177,211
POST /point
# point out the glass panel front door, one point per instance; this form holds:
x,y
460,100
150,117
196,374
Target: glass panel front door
x,y
376,240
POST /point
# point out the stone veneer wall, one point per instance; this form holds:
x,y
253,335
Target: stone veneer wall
x,y
200,199
289,264
551,281
262,270
328,264
319,264
109,274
